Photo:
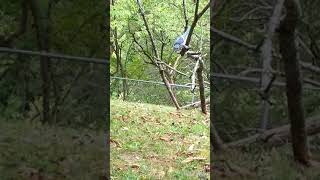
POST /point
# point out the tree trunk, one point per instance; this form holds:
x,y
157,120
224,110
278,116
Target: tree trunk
x,y
119,64
168,86
40,11
201,87
266,57
293,88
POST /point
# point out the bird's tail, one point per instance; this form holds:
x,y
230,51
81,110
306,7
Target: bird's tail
x,y
186,33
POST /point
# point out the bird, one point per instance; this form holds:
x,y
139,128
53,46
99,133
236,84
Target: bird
x,y
181,41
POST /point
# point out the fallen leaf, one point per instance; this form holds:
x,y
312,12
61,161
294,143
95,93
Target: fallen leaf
x,y
166,138
191,147
144,118
135,166
125,129
190,154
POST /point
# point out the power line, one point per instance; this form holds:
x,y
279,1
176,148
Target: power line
x,y
77,58
152,82
253,80
55,56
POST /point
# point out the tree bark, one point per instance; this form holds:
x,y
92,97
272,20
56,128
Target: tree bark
x,y
168,86
266,57
120,64
293,88
201,87
41,13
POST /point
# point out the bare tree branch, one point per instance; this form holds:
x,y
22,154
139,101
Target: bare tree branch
x,y
184,5
154,47
234,39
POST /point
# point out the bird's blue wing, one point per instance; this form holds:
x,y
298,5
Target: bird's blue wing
x,y
176,47
179,40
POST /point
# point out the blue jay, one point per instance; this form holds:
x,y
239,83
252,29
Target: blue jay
x,y
181,41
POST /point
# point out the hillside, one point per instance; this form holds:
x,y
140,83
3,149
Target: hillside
x,y
158,142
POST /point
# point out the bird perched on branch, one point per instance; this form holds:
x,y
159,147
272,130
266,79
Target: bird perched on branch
x,y
181,41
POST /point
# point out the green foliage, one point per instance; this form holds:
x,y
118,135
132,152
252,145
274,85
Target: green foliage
x,y
166,23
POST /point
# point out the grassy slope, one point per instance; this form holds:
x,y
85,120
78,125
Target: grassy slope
x,y
26,149
158,142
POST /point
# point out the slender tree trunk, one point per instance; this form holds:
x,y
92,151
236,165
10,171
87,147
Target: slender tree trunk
x,y
266,56
168,86
172,81
119,64
201,87
26,88
294,88
123,75
124,86
40,12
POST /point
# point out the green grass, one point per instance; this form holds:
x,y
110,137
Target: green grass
x,y
158,142
29,150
